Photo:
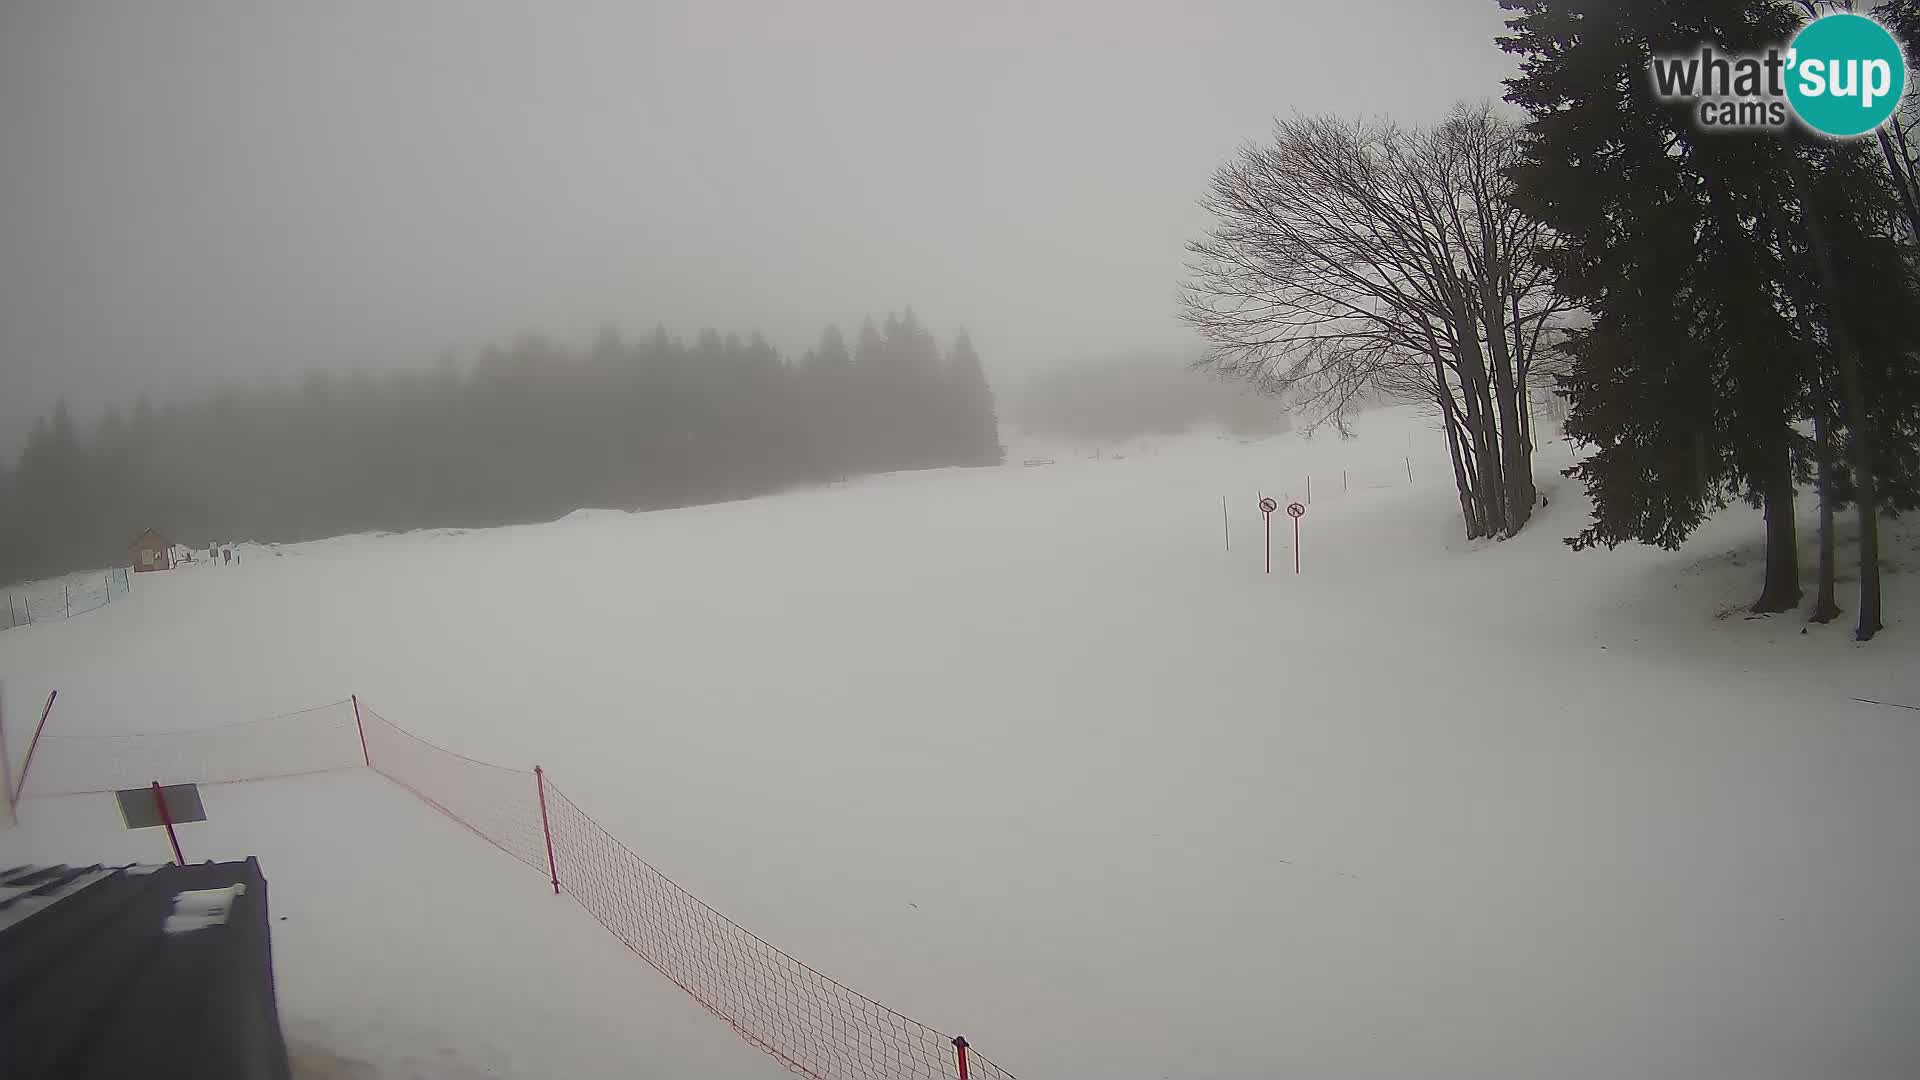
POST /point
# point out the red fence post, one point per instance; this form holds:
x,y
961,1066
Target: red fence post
x,y
960,1054
540,785
6,764
27,763
362,729
160,804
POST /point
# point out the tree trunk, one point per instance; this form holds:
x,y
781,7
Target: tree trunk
x,y
1469,512
1855,397
1781,591
1489,488
1825,607
1517,470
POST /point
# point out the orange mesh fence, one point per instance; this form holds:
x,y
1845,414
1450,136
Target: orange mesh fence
x,y
813,1025
319,739
810,1023
497,803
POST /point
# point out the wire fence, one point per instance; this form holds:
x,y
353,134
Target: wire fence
x,y
812,1024
25,608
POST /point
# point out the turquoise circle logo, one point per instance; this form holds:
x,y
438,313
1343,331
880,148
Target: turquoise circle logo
x,y
1847,75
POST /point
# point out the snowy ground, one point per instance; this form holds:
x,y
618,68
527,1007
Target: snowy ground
x,y
1024,754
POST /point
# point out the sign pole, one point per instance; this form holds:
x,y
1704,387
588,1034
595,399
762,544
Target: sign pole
x,y
1267,507
1296,512
160,804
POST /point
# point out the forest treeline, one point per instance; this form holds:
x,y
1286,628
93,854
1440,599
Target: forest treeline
x,y
1124,397
526,432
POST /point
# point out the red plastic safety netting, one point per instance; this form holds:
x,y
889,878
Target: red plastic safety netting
x,y
497,803
313,740
813,1025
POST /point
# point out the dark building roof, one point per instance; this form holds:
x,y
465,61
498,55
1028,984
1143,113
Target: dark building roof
x,y
138,971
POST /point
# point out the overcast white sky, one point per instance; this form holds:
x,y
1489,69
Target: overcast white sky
x,y
193,190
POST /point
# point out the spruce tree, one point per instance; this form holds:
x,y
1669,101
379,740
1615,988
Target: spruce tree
x,y
1688,380
1739,283
969,407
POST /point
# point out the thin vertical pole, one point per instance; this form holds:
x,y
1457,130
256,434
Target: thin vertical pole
x,y
1296,545
6,765
540,784
1409,470
67,590
365,758
28,762
1225,529
1309,489
960,1054
1343,479
1269,520
160,804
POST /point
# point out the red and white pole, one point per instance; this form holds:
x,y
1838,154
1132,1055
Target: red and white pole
x,y
960,1054
160,804
540,785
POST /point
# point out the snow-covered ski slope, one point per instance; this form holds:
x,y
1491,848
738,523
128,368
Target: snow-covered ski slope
x,y
1023,753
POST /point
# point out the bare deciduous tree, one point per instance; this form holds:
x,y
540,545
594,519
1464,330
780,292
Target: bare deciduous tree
x,y
1349,259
